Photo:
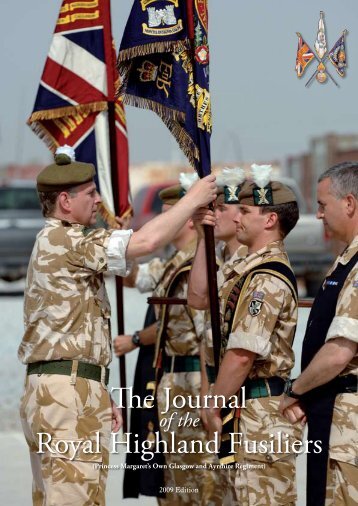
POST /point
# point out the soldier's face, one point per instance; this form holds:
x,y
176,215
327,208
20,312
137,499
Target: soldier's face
x,y
84,204
331,210
250,224
225,228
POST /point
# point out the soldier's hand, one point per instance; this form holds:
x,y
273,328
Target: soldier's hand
x,y
214,423
122,344
203,191
117,420
292,410
203,216
123,223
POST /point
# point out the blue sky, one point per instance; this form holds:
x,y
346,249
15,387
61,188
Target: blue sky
x,y
261,111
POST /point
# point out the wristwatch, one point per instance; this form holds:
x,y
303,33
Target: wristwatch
x,y
288,390
135,338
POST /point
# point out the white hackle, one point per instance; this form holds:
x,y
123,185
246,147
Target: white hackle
x,y
187,180
231,177
66,150
261,174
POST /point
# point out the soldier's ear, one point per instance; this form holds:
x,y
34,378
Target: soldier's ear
x,y
351,204
271,220
64,201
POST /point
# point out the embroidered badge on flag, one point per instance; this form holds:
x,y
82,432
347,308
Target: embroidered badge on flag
x,y
164,65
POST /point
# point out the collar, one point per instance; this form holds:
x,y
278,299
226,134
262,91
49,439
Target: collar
x,y
349,252
275,248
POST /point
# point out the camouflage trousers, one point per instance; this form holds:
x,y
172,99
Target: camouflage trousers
x,y
342,484
254,484
188,477
70,425
342,475
263,478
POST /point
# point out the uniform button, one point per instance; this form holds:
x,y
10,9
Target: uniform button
x,y
268,458
101,259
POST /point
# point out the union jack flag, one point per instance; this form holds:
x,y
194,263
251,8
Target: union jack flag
x,y
304,56
77,85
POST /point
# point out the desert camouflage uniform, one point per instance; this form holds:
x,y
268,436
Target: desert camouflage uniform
x,y
184,330
263,478
225,267
67,317
342,480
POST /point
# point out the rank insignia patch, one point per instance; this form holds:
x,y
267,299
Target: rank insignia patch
x,y
258,295
255,307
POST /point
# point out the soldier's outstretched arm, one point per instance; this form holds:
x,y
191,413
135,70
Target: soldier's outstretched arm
x,y
198,296
163,228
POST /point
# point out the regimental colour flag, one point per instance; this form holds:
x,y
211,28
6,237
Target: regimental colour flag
x,y
304,55
76,89
337,55
164,66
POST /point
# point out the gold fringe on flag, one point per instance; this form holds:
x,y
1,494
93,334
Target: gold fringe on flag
x,y
171,119
109,217
161,110
168,46
60,112
44,135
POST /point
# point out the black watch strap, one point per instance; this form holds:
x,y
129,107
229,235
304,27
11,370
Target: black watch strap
x,y
135,338
288,390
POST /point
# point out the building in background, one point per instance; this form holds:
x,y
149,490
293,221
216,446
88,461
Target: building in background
x,y
324,152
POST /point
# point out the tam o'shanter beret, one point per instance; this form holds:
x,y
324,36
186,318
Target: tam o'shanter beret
x,y
65,172
173,194
229,183
261,191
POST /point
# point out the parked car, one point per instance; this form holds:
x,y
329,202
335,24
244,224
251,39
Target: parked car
x,y
20,221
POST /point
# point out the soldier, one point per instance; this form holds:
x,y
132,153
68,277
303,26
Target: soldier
x,y
259,314
327,386
180,330
66,410
229,251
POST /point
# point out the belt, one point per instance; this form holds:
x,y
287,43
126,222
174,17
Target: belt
x,y
180,363
346,384
64,367
210,371
263,387
254,388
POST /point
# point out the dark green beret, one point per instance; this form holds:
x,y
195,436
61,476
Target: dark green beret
x,y
273,194
171,195
63,174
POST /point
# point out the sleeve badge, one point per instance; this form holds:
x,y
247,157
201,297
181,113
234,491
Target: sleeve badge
x,y
255,307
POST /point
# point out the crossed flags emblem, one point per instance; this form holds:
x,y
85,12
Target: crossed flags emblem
x,y
337,55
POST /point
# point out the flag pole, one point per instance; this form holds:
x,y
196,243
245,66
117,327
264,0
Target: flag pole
x,y
208,230
116,202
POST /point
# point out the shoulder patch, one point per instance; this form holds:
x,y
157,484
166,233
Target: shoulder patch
x,y
355,283
255,307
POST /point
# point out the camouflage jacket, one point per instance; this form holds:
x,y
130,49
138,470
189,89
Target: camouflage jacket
x,y
265,315
226,267
345,321
66,308
185,326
